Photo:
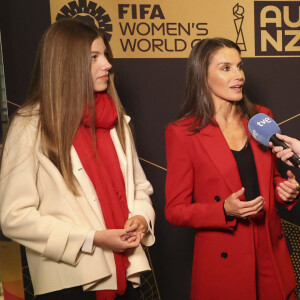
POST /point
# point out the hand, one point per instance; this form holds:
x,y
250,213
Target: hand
x,y
288,190
136,224
117,240
241,209
285,154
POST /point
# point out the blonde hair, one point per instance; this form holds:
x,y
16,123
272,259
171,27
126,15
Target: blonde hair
x,y
62,86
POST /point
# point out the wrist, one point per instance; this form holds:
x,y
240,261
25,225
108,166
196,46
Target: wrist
x,y
98,238
227,217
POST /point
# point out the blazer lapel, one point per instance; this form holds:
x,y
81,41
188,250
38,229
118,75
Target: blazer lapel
x,y
262,163
213,141
86,186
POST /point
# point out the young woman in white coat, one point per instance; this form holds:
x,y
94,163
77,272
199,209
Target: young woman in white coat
x,y
72,190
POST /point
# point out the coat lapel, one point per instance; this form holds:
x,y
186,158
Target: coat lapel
x,y
216,147
126,165
86,186
262,163
212,140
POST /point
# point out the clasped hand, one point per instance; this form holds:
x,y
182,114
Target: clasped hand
x,y
120,240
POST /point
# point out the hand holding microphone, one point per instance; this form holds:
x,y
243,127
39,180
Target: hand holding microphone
x,y
265,130
285,154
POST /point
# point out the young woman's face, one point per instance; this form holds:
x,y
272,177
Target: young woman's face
x,y
99,65
225,76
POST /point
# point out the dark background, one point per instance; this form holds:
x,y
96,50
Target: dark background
x,y
152,92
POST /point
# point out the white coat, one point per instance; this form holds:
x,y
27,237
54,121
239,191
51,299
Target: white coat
x,y
38,211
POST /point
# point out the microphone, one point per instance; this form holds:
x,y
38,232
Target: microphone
x,y
263,129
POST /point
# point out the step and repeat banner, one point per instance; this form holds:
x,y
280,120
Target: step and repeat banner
x,y
151,40
169,29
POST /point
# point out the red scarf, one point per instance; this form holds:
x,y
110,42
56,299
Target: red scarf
x,y
103,169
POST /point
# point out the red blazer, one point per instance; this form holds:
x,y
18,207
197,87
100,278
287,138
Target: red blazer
x,y
202,167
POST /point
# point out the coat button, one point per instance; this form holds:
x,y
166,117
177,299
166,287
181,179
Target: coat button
x,y
224,255
281,236
217,198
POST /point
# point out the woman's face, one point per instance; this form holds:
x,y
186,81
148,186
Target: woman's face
x,y
225,76
99,65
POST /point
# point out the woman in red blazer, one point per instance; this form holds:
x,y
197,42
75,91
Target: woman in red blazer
x,y
221,182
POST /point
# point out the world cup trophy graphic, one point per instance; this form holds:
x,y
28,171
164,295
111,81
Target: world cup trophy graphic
x,y
238,12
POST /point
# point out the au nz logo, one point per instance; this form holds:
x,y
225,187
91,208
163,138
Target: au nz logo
x,y
277,28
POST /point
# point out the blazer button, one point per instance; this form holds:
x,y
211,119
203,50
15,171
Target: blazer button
x,y
224,255
217,198
281,236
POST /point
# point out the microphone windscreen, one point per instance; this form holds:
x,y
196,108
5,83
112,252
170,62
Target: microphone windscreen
x,y
262,127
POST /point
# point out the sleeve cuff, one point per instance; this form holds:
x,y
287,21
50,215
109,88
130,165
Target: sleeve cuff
x,y
230,220
88,245
148,239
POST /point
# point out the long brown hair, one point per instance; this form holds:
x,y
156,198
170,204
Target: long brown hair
x,y
61,87
198,103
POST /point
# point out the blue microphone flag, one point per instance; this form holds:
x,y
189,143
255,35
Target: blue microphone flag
x,y
262,127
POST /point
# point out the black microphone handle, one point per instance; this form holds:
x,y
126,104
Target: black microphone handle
x,y
295,159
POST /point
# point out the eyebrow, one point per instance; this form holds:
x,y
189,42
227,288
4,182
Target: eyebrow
x,y
98,52
228,63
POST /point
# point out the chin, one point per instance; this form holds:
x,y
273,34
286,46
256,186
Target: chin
x,y
100,89
237,99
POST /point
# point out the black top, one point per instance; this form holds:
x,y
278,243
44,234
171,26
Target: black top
x,y
247,169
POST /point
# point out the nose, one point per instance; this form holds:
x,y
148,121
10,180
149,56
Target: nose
x,y
106,65
239,74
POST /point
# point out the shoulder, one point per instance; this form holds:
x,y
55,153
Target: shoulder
x,y
24,122
21,142
179,135
264,110
23,128
127,119
180,127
